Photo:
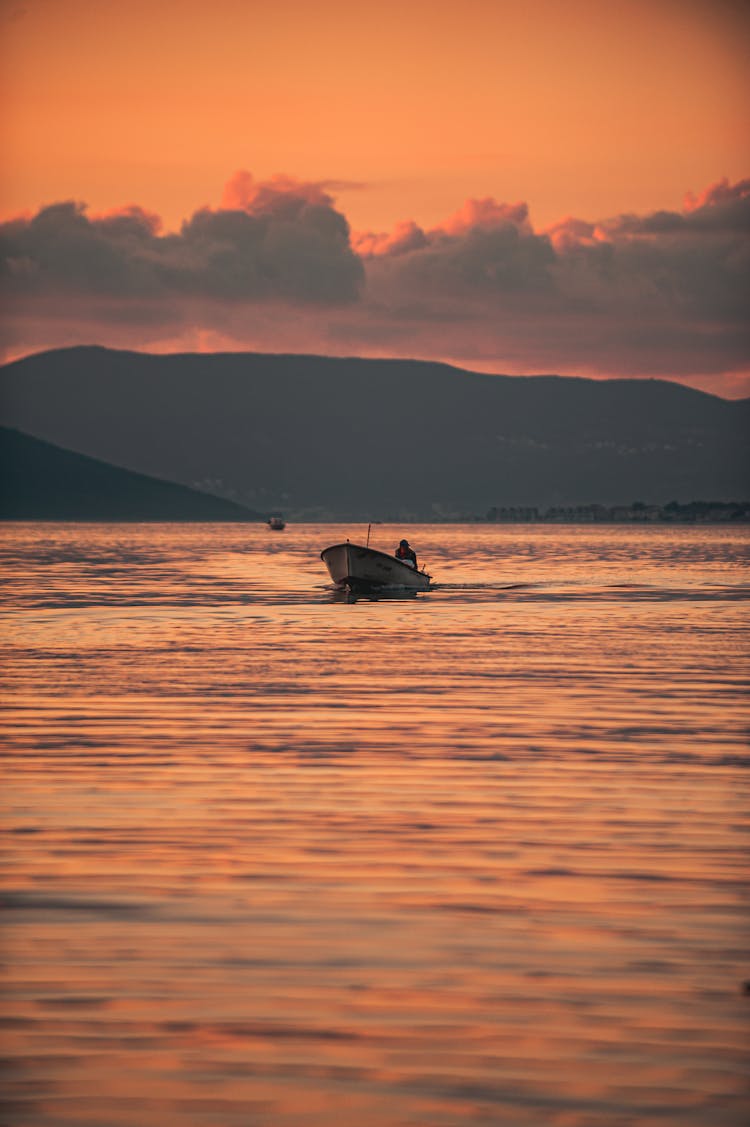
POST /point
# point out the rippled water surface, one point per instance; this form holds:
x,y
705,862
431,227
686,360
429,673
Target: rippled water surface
x,y
277,858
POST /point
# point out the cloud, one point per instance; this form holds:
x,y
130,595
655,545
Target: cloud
x,y
724,202
276,267
61,248
281,239
485,215
662,293
282,196
405,236
484,248
690,268
475,215
242,191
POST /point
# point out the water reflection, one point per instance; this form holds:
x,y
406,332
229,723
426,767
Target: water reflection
x,y
470,856
376,595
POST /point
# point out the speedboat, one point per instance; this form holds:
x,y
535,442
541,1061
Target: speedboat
x,y
365,569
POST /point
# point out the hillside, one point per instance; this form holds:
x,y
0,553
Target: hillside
x,y
39,481
319,436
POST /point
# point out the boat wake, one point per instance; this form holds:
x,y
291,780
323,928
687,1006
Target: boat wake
x,y
547,593
480,586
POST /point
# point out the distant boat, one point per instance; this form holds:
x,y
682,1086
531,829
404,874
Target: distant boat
x,y
365,569
278,524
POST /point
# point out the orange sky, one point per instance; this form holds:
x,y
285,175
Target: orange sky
x,y
403,110
580,107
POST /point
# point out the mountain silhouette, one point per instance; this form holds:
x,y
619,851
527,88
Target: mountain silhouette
x,y
39,481
341,438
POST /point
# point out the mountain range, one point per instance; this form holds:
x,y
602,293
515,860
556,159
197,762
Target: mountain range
x,y
39,481
322,437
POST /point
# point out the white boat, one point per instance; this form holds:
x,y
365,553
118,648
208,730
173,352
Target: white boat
x,y
365,569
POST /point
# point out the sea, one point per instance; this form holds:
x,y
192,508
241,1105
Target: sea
x,y
277,857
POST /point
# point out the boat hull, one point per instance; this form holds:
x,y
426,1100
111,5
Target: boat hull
x,y
366,569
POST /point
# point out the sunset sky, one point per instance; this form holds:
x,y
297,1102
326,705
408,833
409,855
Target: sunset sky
x,y
515,187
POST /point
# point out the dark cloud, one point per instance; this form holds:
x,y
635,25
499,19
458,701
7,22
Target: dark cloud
x,y
276,268
404,237
659,293
474,218
691,266
502,260
60,249
288,242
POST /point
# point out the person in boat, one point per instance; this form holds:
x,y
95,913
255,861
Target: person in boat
x,y
406,554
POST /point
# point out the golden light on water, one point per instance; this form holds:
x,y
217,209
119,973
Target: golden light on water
x,y
472,857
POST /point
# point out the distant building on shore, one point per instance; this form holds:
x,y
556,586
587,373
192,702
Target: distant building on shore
x,y
694,512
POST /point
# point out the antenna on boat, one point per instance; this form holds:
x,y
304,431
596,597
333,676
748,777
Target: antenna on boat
x,y
367,545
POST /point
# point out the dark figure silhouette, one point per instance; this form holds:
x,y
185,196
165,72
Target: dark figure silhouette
x,y
406,554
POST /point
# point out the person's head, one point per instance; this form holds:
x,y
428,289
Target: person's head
x,y
404,544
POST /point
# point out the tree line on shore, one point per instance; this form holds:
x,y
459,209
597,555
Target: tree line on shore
x,y
710,512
